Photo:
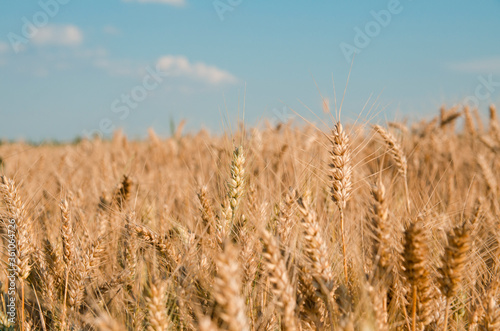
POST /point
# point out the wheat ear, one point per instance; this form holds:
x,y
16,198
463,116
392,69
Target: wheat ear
x,y
417,273
207,213
236,184
469,122
156,307
227,291
454,260
67,233
488,175
397,154
448,117
130,254
107,323
340,179
494,125
278,276
378,298
157,241
380,216
81,270
285,219
492,318
122,193
23,226
317,254
205,323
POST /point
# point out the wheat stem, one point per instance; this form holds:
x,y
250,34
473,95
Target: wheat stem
x,y
446,313
344,254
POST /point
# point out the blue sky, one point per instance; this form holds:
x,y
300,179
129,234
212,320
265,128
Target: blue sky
x,y
71,67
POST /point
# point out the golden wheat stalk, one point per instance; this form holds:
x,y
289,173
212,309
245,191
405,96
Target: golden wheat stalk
x,y
488,174
67,233
206,324
227,291
341,179
454,261
107,323
469,122
317,255
122,193
378,298
285,224
494,125
22,228
448,117
381,227
156,307
23,225
160,242
417,273
130,254
236,184
278,276
398,155
207,213
81,273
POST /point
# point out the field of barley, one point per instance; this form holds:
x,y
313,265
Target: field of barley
x,y
361,226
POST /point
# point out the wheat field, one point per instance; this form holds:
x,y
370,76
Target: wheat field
x,y
362,226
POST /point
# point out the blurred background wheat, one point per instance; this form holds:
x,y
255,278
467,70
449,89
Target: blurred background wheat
x,y
392,227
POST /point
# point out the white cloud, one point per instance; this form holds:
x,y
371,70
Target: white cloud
x,y
4,47
181,67
67,35
477,66
178,3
